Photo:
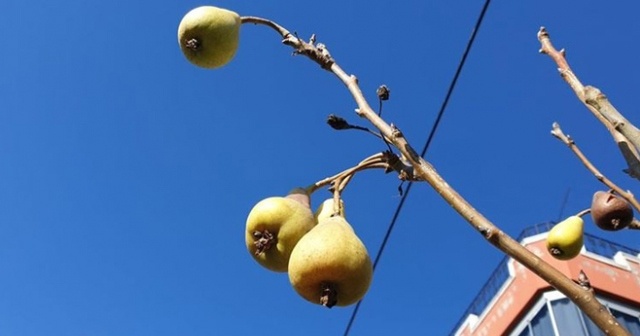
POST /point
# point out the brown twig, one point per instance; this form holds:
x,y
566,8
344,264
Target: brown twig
x,y
622,131
384,160
583,212
584,299
557,132
346,175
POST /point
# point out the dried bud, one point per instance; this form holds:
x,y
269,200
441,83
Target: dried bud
x,y
383,92
337,123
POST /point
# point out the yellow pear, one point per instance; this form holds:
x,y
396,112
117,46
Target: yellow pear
x,y
209,36
330,264
326,210
565,239
274,226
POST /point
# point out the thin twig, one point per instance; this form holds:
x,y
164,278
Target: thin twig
x,y
583,212
384,160
585,300
557,132
622,131
364,164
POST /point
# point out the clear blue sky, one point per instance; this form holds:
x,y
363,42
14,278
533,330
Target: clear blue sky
x,y
126,173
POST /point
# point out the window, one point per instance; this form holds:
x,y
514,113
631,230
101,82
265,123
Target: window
x,y
525,332
555,315
541,324
630,322
567,317
592,329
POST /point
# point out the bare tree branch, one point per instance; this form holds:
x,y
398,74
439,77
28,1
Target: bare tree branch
x,y
557,132
622,131
584,299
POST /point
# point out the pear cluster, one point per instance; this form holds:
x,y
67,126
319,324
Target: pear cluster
x,y
608,211
326,262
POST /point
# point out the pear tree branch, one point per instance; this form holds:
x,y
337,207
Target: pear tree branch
x,y
584,299
622,131
557,132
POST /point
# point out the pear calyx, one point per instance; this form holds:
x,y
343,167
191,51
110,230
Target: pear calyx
x,y
610,212
329,296
264,240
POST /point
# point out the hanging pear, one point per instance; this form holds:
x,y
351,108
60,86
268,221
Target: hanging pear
x,y
610,212
275,225
565,239
326,210
209,36
330,264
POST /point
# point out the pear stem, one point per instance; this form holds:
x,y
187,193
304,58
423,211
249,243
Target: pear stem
x,y
584,212
385,160
336,199
585,300
258,20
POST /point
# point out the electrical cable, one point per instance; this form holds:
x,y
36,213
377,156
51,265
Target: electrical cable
x,y
443,107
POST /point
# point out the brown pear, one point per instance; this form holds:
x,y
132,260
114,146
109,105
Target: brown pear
x,y
274,227
610,212
330,264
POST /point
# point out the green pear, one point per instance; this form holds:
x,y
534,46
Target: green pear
x,y
275,225
326,210
565,239
209,36
330,264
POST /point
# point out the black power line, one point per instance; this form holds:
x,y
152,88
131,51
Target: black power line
x,y
443,107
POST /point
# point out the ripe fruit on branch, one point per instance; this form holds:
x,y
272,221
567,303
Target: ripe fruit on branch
x,y
610,212
209,36
330,264
565,239
326,210
275,225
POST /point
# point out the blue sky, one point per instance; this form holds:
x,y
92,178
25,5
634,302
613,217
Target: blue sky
x,y
127,173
